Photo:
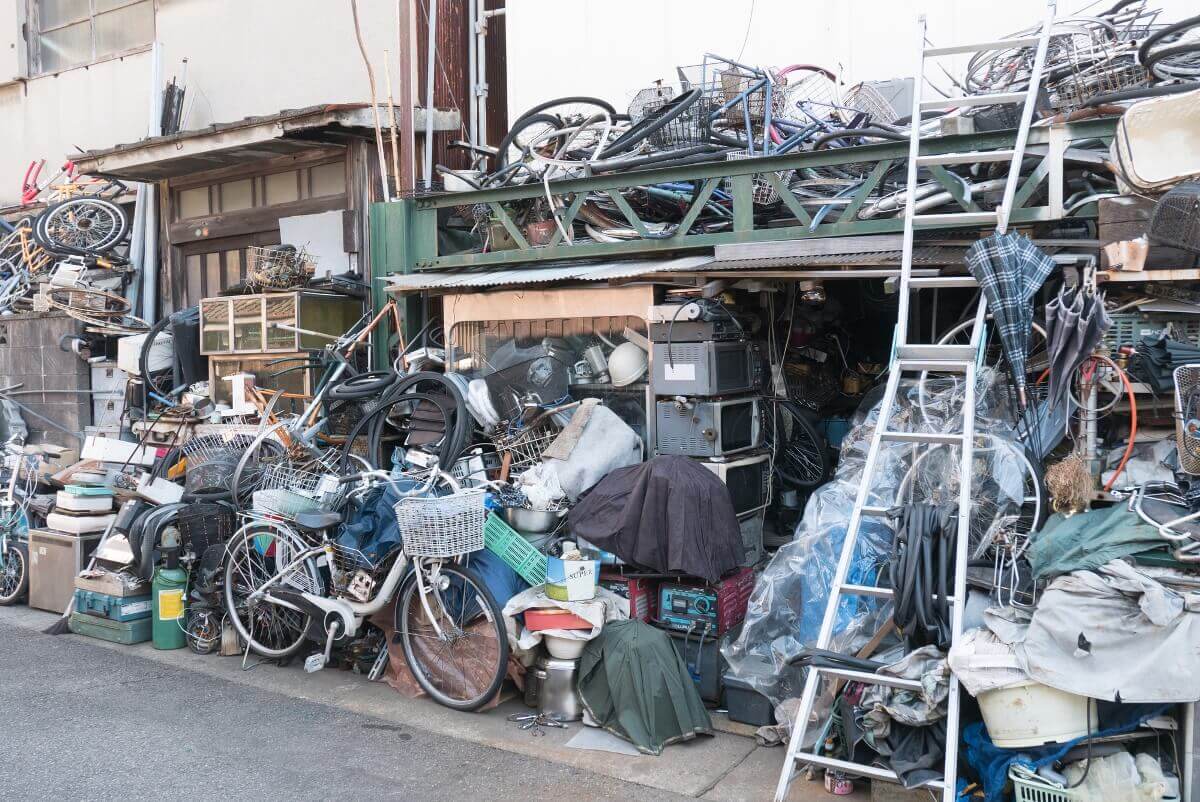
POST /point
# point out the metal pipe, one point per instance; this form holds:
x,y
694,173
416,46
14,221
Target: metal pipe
x,y
473,72
430,74
150,263
482,97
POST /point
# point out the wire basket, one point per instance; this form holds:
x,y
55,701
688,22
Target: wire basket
x,y
204,525
867,99
1187,426
278,267
212,476
527,443
1094,66
208,447
1176,218
690,127
286,492
764,194
442,526
648,99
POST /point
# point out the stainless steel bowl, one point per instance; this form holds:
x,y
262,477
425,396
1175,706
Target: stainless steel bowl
x,y
532,521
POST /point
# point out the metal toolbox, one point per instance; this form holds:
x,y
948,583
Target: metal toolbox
x,y
55,558
706,368
699,428
250,324
127,632
114,608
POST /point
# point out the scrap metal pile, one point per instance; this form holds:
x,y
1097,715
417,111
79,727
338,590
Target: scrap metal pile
x,y
725,110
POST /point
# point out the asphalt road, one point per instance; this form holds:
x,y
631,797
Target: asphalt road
x,y
79,721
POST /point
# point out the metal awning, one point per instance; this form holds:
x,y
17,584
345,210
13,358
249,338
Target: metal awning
x,y
230,144
875,250
601,271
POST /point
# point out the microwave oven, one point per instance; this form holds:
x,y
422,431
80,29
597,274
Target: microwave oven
x,y
696,427
706,368
748,478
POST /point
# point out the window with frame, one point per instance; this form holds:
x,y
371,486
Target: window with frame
x,y
74,33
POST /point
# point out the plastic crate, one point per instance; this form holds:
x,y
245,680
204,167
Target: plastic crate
x,y
507,544
1028,788
1128,328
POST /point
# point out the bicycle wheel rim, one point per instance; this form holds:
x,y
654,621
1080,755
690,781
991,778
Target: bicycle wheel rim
x,y
13,575
465,671
268,629
82,225
800,458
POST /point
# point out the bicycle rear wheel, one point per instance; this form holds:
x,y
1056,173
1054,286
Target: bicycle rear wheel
x,y
464,666
14,574
257,552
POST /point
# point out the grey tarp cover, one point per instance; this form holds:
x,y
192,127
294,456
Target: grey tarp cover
x,y
669,514
1116,634
635,685
1089,540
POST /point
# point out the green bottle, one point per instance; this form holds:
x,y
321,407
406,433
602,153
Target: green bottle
x,y
168,591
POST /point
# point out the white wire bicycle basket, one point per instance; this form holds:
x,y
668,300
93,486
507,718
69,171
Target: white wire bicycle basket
x,y
442,526
278,267
286,492
208,447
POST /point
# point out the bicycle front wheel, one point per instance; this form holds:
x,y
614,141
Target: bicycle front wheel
x,y
462,661
256,553
14,574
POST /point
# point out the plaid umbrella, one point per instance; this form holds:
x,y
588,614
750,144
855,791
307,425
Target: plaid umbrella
x,y
1010,269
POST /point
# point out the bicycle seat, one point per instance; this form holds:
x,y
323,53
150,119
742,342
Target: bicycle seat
x,y
318,520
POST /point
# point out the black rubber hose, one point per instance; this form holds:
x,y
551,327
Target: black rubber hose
x,y
1143,92
849,133
462,421
372,427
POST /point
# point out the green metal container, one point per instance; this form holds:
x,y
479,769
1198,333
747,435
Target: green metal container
x,y
167,594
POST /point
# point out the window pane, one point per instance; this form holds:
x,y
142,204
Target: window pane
x,y
66,47
191,269
236,195
212,273
328,179
53,13
124,29
282,188
192,203
233,268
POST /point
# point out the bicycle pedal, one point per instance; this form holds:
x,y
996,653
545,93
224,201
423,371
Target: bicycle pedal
x,y
314,663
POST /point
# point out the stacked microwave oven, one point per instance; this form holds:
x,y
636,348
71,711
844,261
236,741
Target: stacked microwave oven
x,y
706,378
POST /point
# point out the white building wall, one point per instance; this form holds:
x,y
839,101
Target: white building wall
x,y
245,57
612,48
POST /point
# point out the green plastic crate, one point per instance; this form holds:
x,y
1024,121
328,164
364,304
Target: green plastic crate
x,y
507,544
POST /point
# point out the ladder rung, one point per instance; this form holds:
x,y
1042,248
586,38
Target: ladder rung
x,y
979,47
867,678
941,282
966,158
867,590
876,512
955,218
923,437
856,769
942,353
931,366
962,101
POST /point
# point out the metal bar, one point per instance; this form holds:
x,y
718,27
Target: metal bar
x,y
862,193
1031,183
568,218
993,99
510,226
914,150
742,187
627,210
1058,149
954,186
789,200
698,205
999,44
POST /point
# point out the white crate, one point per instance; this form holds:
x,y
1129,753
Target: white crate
x,y
108,379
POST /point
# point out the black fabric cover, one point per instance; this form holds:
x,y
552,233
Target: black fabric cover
x,y
667,514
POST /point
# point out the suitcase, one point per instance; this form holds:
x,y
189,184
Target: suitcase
x,y
127,632
114,608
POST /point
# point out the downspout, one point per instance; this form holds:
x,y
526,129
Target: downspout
x,y
150,260
472,71
482,32
430,74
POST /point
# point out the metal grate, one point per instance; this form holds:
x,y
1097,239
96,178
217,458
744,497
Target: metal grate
x,y
1176,218
1128,328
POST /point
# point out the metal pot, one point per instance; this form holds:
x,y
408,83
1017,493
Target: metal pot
x,y
535,522
550,687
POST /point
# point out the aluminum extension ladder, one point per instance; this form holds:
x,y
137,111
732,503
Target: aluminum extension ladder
x,y
909,358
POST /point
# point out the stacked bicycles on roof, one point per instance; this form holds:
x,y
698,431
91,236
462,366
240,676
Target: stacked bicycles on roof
x,y
723,110
73,255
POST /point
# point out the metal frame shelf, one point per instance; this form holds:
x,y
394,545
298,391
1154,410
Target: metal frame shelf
x,y
405,238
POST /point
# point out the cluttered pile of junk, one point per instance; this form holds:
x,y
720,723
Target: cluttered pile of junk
x,y
649,501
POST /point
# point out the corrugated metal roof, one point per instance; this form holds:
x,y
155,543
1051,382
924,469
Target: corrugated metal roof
x,y
602,271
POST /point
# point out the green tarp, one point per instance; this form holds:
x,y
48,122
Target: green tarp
x,y
636,686
1088,540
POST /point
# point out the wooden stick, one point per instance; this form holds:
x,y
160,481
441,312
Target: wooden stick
x,y
387,76
362,48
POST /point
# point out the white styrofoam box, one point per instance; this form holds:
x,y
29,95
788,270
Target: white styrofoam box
x,y
107,408
106,449
110,429
129,353
78,525
73,503
159,491
108,379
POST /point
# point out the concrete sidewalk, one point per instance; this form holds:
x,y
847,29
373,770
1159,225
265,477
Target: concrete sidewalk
x,y
728,766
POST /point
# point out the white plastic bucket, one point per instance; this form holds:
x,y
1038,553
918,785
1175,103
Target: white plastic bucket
x,y
1032,714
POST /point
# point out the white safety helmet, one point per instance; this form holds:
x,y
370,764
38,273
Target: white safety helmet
x,y
627,363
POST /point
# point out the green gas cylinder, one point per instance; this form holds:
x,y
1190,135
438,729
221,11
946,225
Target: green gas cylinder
x,y
168,590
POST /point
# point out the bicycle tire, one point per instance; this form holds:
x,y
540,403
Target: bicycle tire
x,y
519,126
362,385
293,629
801,477
428,679
14,574
650,125
371,427
118,227
1144,54
562,101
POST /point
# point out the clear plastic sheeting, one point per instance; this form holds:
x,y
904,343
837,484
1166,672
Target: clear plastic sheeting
x,y
788,605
